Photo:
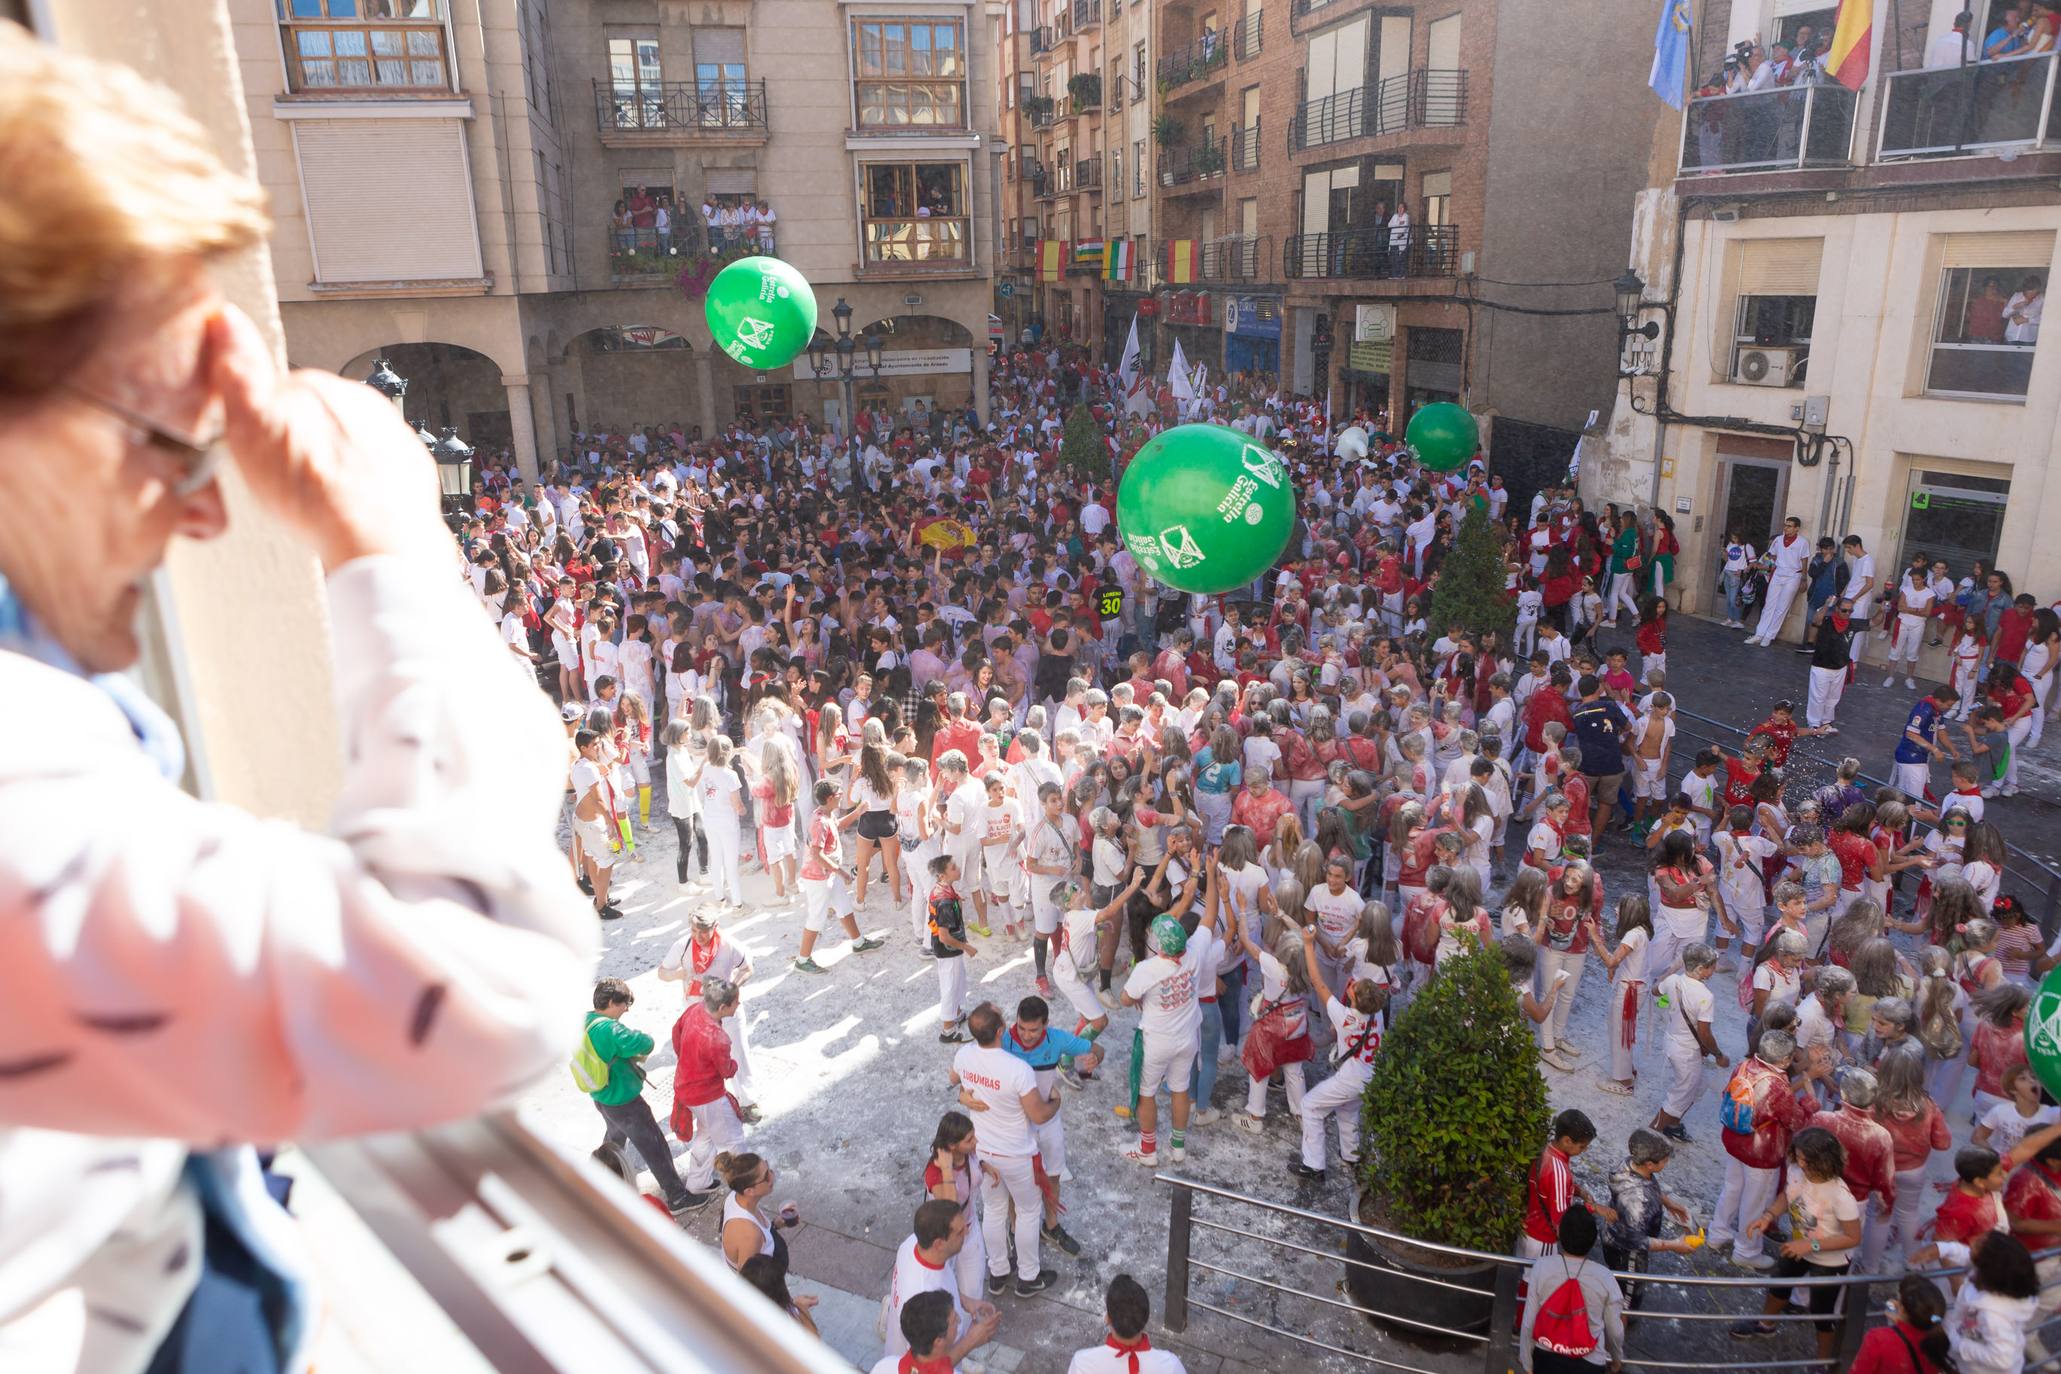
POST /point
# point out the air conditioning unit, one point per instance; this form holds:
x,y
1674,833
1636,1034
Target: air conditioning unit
x,y
1767,366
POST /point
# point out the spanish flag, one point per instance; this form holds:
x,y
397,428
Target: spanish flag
x,y
1180,261
1848,58
1051,259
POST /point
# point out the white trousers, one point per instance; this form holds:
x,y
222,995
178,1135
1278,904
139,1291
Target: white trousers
x,y
1745,1195
1685,1079
1782,590
1827,686
1309,799
1291,1079
951,987
1909,638
1553,1030
716,1128
725,844
1015,1184
1339,1096
1911,779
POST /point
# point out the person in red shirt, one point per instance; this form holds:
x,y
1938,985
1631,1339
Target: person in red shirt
x,y
704,1111
2014,627
1916,1340
1740,771
1781,732
2014,700
1870,1159
1546,703
1753,1170
1972,1207
1551,1187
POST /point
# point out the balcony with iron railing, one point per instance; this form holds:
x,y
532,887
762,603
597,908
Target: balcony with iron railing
x,y
681,112
1235,258
1202,60
1770,130
1087,174
1245,37
1245,148
1086,14
2005,106
1193,170
1425,99
1043,39
1370,254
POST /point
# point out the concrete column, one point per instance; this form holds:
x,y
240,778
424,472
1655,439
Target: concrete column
x,y
544,420
705,392
522,425
980,371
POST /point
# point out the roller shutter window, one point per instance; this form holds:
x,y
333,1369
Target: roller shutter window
x,y
733,182
2033,248
388,200
1780,267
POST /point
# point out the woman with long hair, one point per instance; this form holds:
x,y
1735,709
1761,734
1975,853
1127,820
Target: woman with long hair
x,y
776,789
872,790
951,1173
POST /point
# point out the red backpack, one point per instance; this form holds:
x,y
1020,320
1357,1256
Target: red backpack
x,y
1562,1325
1421,928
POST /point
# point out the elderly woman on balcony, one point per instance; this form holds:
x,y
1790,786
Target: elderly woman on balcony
x,y
180,978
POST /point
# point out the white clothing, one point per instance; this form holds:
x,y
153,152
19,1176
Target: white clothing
x,y
1166,989
251,933
999,1080
1014,1186
1102,1359
913,1275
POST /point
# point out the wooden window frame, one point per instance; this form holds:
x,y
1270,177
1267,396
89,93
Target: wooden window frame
x,y
880,85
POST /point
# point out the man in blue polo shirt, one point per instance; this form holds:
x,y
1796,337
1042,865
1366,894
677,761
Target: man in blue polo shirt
x,y
1038,1043
1922,743
1601,727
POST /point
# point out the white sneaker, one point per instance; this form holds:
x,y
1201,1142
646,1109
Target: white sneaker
x,y
1911,683
2009,789
1180,1153
1138,1156
1754,639
1248,1122
1889,681
1208,1116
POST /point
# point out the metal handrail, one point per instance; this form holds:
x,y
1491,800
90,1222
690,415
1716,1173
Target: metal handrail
x,y
1426,98
681,106
1206,54
1429,251
1779,129
1951,111
1499,1352
1247,36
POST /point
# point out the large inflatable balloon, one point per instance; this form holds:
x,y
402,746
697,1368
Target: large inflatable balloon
x,y
762,312
1442,436
1205,509
2043,1033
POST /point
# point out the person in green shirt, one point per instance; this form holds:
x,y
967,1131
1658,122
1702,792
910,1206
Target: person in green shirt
x,y
1626,561
621,1102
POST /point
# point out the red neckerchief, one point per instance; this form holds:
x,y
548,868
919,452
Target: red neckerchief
x,y
699,960
912,1364
1130,1348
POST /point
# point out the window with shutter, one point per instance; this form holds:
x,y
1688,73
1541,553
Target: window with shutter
x,y
367,222
1774,310
1986,318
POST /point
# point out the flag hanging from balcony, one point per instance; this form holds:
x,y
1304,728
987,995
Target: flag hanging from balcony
x,y
1848,58
1116,261
1088,253
1180,261
1671,51
1051,259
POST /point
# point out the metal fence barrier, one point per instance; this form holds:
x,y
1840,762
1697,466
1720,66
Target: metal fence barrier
x,y
1659,1344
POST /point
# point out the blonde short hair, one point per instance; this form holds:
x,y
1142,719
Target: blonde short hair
x,y
105,184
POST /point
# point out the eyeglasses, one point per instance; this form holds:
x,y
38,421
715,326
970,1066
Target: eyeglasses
x,y
196,458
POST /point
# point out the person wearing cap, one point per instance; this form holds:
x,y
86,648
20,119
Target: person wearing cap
x,y
704,952
1167,985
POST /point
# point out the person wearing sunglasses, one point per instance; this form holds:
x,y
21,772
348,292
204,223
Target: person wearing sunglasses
x,y
180,978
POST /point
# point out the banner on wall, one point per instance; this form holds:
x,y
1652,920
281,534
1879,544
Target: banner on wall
x,y
908,362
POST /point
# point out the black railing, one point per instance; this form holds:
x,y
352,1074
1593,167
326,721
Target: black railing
x,y
681,107
1085,13
1205,163
1087,174
1245,148
1199,59
1419,251
1043,39
1944,111
1771,130
1237,258
1245,39
1423,99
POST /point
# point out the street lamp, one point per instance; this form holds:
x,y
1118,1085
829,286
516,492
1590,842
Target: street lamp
x,y
454,469
837,358
1631,299
388,383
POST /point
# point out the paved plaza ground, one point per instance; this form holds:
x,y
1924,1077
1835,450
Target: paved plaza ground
x,y
852,1080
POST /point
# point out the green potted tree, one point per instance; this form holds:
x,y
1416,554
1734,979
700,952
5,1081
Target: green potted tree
x,y
1039,106
1086,90
1454,1115
1168,132
1082,449
1471,590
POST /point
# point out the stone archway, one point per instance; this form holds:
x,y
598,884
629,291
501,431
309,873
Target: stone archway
x,y
634,376
449,385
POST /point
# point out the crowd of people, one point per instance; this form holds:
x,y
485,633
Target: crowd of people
x,y
920,685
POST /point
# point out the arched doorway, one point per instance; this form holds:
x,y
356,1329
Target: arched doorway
x,y
630,377
926,364
448,386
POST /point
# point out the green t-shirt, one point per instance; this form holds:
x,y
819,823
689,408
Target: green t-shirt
x,y
620,1046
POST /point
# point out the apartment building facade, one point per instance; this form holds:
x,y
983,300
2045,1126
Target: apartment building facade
x,y
1514,137
1839,278
519,204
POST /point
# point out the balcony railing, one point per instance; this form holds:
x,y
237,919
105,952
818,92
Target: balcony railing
x,y
1087,174
1085,14
1043,39
938,241
1245,39
384,57
1203,164
1245,148
1945,111
1772,130
1199,59
1423,99
645,254
1361,254
1235,258
681,107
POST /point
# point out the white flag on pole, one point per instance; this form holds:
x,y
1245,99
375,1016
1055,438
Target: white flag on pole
x,y
1178,379
1135,382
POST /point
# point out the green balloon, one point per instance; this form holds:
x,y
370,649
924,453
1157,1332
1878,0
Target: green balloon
x,y
1442,436
1204,508
2043,1033
762,312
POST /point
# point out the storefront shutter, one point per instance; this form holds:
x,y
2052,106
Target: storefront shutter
x,y
388,199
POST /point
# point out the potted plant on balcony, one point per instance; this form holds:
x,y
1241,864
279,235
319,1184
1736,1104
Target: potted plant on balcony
x,y
1086,90
1168,132
1039,106
1209,159
1455,1113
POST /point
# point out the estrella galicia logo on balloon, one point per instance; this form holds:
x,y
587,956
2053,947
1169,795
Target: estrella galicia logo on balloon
x,y
1262,463
1180,546
2043,1031
754,333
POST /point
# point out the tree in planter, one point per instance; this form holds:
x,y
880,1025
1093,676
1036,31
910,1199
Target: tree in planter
x,y
1038,106
1082,448
1086,90
1167,131
1456,1110
1471,590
